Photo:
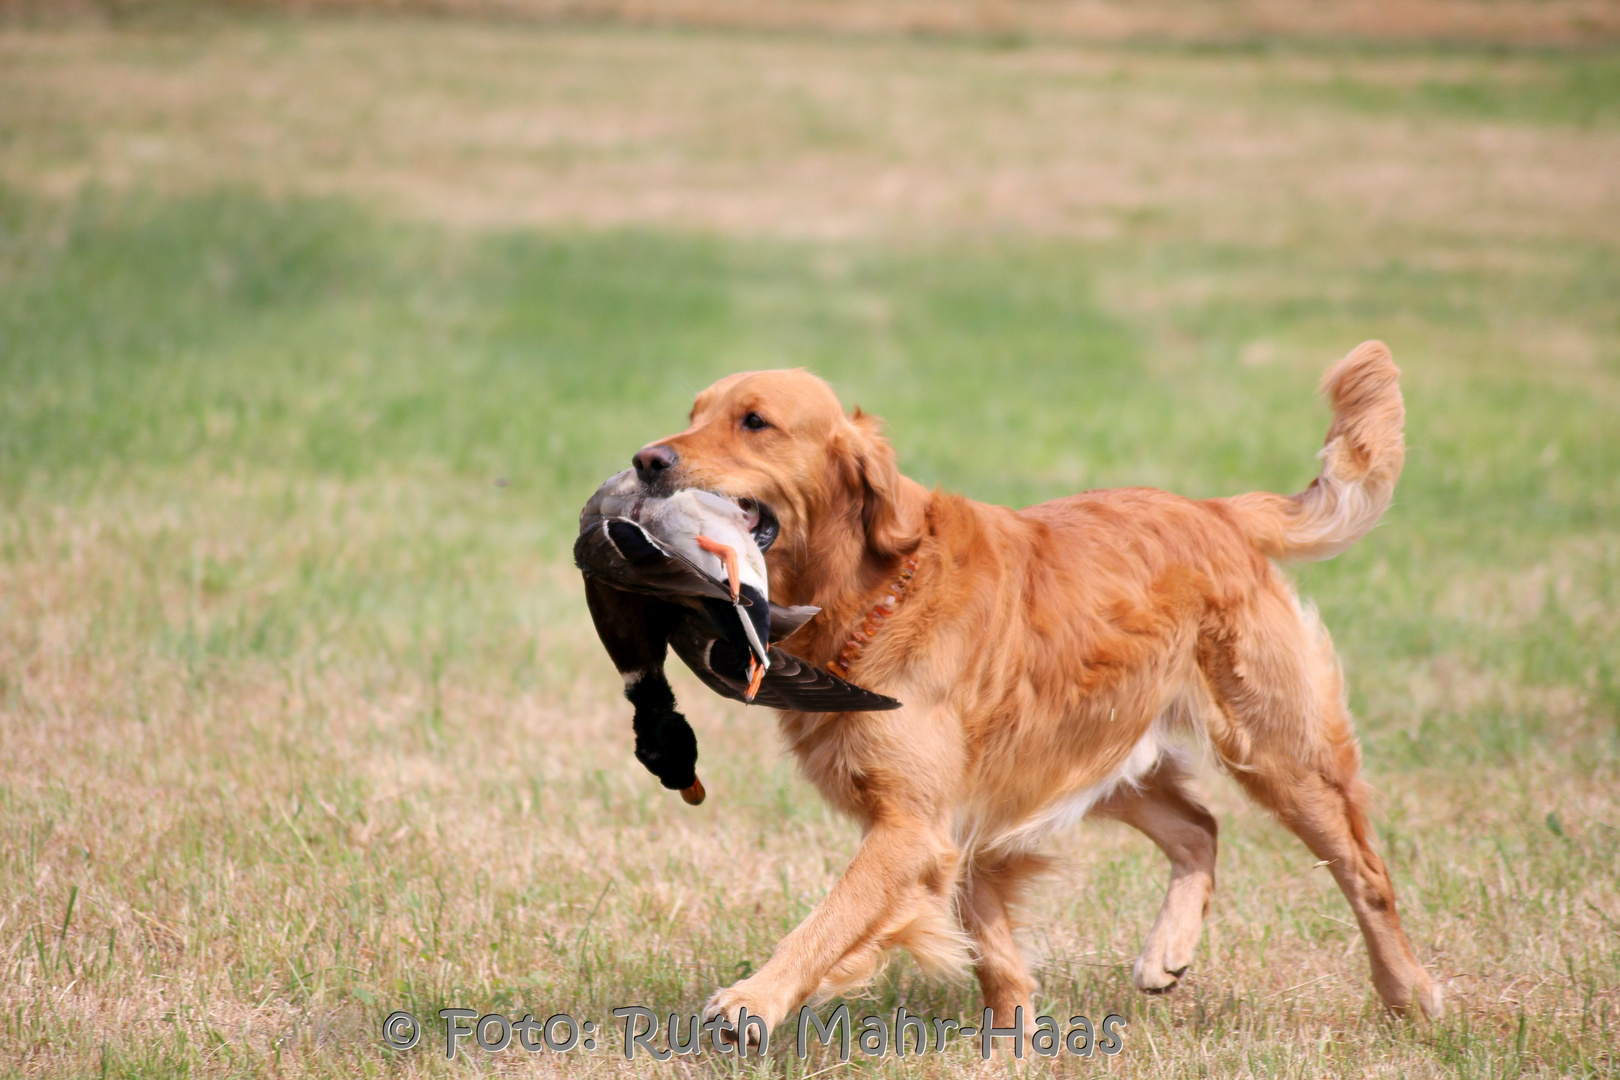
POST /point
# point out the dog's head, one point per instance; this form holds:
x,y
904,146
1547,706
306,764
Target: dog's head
x,y
823,483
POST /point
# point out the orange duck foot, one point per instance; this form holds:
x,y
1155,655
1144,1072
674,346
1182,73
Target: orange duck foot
x,y
728,555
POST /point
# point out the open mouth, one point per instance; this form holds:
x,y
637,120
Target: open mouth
x,y
762,524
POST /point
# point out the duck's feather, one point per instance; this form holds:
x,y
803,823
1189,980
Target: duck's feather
x,y
627,556
623,556
692,521
791,683
785,621
635,628
643,593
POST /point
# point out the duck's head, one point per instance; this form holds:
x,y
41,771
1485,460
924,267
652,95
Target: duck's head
x,y
821,480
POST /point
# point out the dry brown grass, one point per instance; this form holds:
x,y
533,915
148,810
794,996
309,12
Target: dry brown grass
x,y
1520,22
809,138
302,745
268,853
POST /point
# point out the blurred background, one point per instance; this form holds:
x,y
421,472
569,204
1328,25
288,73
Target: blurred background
x,y
319,321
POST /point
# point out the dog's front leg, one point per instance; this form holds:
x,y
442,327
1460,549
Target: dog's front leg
x,y
898,885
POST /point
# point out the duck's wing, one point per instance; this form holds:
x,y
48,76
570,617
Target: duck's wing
x,y
803,687
792,683
623,554
755,620
785,621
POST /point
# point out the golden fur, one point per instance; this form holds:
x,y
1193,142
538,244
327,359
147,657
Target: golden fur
x,y
1043,656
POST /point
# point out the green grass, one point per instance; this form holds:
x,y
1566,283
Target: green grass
x,y
303,720
1577,91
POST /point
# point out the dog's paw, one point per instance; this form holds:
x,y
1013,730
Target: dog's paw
x,y
1155,982
731,1002
1166,955
1432,1000
1427,996
1153,975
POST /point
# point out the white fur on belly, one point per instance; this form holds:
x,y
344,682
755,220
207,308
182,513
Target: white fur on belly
x,y
1063,811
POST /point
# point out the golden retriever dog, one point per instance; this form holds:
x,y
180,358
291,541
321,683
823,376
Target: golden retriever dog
x,y
1045,658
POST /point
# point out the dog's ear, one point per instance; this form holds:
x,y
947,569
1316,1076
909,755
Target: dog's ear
x,y
892,506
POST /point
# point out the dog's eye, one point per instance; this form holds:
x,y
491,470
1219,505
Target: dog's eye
x,y
754,422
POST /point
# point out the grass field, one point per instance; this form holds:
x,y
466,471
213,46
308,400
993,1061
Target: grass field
x,y
314,335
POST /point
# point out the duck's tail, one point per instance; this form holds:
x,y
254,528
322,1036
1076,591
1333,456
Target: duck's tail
x,y
1361,461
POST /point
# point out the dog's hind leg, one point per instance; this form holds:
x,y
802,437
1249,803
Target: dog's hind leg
x,y
988,894
1285,733
1162,807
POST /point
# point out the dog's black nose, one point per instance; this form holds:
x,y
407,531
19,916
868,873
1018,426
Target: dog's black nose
x,y
652,460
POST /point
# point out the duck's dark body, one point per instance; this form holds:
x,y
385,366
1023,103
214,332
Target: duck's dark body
x,y
635,629
645,598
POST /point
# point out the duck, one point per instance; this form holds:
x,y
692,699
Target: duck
x,y
712,533
686,571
